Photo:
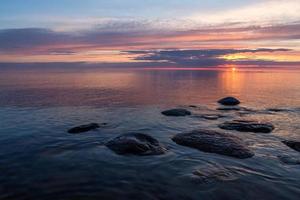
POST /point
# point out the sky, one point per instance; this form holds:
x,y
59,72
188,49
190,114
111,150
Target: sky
x,y
183,33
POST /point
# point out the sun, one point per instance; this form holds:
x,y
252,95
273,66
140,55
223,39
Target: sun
x,y
233,69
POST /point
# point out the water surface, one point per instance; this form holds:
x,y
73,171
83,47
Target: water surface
x,y
40,160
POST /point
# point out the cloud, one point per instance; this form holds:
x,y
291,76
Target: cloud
x,y
123,35
260,13
203,57
130,36
27,38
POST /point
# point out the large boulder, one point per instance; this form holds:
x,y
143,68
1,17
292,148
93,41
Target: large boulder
x,y
136,143
229,101
248,126
292,144
177,112
214,142
83,128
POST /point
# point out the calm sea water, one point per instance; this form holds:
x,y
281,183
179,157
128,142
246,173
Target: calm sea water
x,y
40,160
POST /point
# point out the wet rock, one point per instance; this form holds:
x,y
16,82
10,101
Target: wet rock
x,y
214,142
137,144
229,101
247,126
193,106
231,108
277,109
289,160
209,174
84,128
292,144
212,116
177,112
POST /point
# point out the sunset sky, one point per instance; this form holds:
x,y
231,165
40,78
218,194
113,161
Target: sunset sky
x,y
184,33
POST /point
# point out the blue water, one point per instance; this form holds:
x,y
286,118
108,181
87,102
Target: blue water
x,y
40,160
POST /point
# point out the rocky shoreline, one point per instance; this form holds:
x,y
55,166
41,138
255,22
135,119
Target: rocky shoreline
x,y
205,140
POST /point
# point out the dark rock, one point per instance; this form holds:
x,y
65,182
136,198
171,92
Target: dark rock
x,y
84,128
136,143
193,106
229,101
292,144
247,126
177,112
214,142
277,109
231,108
289,160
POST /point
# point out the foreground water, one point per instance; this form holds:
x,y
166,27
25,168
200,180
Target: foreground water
x,y
40,160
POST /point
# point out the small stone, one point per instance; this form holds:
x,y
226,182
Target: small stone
x,y
247,126
212,116
193,106
231,108
177,112
292,144
277,109
229,101
214,142
84,128
137,144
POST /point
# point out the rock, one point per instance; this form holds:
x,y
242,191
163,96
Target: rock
x,y
277,109
214,142
247,126
211,116
208,174
193,106
289,160
229,101
177,112
137,144
231,108
292,144
84,128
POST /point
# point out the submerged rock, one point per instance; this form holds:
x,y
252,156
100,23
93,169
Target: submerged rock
x,y
292,144
229,101
84,128
177,112
136,143
208,174
247,126
211,116
214,142
289,160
